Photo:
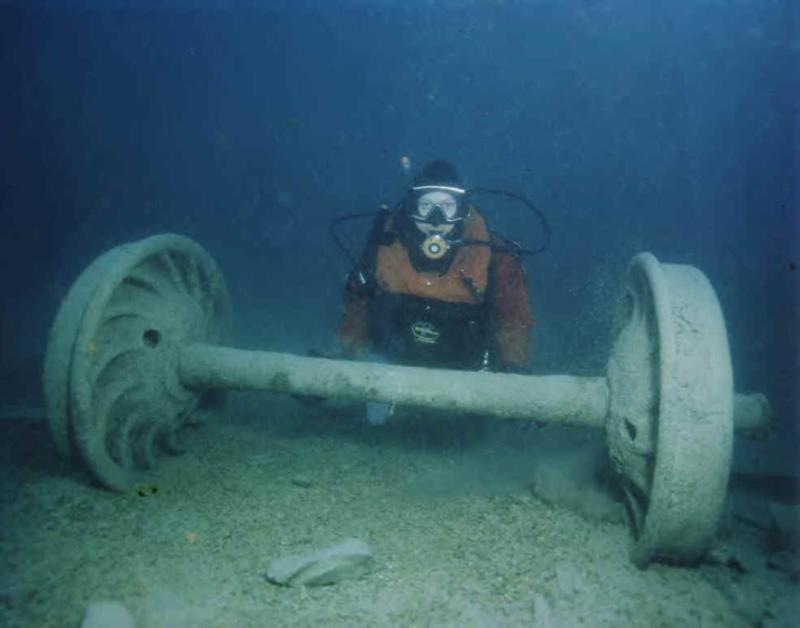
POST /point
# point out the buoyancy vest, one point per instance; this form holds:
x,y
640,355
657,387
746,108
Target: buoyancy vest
x,y
430,318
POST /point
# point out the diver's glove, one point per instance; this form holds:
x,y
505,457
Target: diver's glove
x,y
378,412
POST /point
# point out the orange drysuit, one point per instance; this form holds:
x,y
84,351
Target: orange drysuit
x,y
474,314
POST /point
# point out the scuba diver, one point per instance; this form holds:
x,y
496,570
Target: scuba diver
x,y
435,287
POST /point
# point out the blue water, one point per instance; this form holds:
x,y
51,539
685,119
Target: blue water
x,y
634,125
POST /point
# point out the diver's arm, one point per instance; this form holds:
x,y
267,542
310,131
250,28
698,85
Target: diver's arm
x,y
511,314
352,336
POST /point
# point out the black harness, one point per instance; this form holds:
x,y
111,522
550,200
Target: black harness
x,y
419,331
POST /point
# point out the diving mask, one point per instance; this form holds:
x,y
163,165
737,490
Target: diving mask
x,y
437,204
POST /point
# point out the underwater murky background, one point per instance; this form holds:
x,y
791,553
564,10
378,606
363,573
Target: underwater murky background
x,y
247,126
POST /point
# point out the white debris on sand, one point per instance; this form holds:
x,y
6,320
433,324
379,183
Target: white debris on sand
x,y
346,560
107,614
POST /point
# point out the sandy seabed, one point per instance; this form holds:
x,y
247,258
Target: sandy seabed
x,y
470,523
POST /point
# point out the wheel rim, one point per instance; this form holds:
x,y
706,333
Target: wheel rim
x,y
60,347
123,400
670,430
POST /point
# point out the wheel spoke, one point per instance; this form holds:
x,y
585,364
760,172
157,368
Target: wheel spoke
x,y
143,445
173,272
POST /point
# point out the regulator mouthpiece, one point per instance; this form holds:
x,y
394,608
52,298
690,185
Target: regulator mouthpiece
x,y
434,247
